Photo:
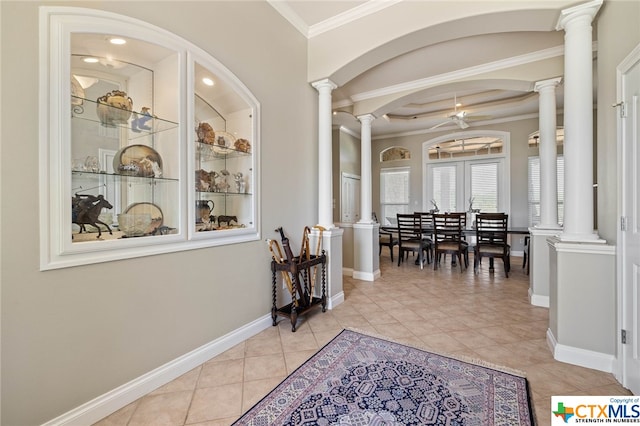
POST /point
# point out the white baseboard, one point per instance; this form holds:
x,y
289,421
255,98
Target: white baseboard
x,y
581,357
366,276
335,300
347,271
102,406
537,300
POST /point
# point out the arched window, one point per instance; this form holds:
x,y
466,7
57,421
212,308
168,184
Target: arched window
x,y
395,153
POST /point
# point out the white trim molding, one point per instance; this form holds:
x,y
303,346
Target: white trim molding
x,y
582,357
104,405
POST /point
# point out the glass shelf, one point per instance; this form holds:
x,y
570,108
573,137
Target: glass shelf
x,y
122,178
215,152
137,124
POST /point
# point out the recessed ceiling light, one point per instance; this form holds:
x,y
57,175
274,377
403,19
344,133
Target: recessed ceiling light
x,y
207,81
117,40
90,60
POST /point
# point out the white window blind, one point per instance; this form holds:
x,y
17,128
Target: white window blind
x,y
394,193
444,187
534,189
484,187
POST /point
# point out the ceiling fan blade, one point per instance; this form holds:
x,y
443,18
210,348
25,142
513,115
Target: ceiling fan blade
x,y
478,117
463,124
438,125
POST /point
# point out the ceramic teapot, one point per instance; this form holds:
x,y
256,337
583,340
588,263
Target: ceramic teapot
x,y
114,108
204,209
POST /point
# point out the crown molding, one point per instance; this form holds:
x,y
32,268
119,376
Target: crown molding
x,y
344,18
287,13
450,77
455,126
348,16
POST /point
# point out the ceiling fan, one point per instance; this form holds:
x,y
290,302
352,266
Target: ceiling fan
x,y
460,118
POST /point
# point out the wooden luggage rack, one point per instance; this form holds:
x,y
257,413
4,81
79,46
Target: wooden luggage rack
x,y
302,297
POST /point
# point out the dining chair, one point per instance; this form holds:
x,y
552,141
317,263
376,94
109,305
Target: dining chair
x,y
525,258
448,239
491,240
410,238
426,219
387,239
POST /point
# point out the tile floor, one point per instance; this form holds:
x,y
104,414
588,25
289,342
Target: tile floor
x,y
484,316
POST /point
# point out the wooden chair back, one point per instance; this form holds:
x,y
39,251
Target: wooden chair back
x,y
491,239
448,238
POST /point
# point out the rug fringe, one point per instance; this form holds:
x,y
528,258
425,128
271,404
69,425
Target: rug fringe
x,y
463,358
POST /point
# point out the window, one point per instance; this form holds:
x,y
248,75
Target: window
x,y
444,184
460,185
394,193
534,189
467,170
484,187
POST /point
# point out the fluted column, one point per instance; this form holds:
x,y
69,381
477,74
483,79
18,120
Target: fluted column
x,y
325,167
578,122
365,168
548,153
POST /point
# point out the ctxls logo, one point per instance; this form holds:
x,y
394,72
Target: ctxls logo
x,y
595,409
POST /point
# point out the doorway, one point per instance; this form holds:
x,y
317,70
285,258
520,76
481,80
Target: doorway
x,y
628,85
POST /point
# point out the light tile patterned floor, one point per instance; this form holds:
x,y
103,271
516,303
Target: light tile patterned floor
x,y
484,316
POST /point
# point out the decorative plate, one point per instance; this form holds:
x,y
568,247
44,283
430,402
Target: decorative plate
x,y
224,143
138,160
157,218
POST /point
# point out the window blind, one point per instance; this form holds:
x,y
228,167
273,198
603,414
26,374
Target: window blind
x,y
444,187
484,187
534,189
394,194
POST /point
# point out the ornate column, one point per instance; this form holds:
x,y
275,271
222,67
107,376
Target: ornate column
x,y
332,236
365,168
548,227
578,122
366,262
325,167
581,265
548,153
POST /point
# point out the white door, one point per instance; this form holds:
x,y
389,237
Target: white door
x,y
350,200
629,90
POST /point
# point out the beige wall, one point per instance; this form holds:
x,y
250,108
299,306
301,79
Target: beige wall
x,y
73,334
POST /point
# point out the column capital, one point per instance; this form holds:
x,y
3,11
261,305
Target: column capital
x,y
366,118
325,83
589,9
552,82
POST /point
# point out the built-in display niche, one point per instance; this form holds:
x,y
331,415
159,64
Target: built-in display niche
x,y
223,153
124,175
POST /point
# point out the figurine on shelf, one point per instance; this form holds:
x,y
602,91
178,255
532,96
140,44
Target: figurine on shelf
x,y
85,210
205,133
227,220
222,185
242,145
139,121
240,185
150,167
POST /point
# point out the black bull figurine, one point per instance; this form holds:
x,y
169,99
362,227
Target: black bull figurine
x,y
85,210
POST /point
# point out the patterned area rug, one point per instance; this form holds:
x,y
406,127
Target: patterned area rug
x,y
358,379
